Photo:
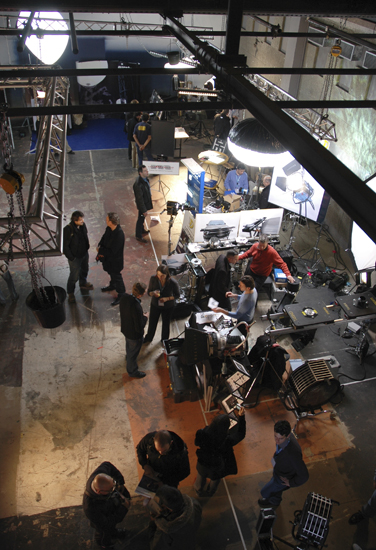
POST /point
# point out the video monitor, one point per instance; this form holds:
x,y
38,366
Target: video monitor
x,y
293,188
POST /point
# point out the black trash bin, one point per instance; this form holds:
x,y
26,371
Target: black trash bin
x,y
53,314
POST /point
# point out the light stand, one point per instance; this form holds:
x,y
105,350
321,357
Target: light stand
x,y
161,186
199,130
314,253
294,218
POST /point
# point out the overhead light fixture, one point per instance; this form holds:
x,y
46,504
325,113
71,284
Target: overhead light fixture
x,y
173,57
47,48
200,93
41,94
253,145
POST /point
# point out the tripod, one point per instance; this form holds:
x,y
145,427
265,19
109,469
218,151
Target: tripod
x,y
260,375
313,254
161,186
200,131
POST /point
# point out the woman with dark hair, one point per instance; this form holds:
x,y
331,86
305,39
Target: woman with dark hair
x,y
246,303
222,124
215,456
163,291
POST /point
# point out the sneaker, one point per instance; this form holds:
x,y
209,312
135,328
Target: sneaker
x,y
107,288
116,302
141,240
87,285
356,518
71,298
138,374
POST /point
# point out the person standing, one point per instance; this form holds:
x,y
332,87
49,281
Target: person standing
x,y
215,455
128,117
7,276
132,324
237,180
106,503
368,510
163,291
289,469
130,126
222,124
142,195
111,254
264,195
246,304
263,257
142,137
164,455
75,249
176,524
221,278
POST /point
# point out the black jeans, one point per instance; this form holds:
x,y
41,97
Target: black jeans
x,y
259,279
79,268
140,225
153,322
116,281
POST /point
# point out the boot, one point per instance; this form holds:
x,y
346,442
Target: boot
x,y
71,298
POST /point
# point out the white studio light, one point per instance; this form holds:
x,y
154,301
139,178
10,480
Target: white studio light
x,y
180,65
47,48
255,158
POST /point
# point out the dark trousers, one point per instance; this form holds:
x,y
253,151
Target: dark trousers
x,y
79,268
140,225
116,282
200,482
130,150
12,290
132,349
104,536
223,302
259,279
273,490
140,154
153,322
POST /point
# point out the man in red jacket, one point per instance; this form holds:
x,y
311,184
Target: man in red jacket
x,y
263,257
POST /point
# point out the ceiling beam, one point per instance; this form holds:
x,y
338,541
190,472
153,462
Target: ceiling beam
x,y
349,191
256,7
31,73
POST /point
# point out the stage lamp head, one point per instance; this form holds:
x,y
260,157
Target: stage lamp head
x,y
253,145
295,182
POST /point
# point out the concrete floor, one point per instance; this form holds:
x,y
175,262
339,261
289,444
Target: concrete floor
x,y
67,403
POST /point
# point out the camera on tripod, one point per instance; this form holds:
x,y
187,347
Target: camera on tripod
x,y
173,207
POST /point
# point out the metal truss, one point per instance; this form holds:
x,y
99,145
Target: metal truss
x,y
313,121
45,206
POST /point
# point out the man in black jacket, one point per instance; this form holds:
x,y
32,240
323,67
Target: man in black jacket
x,y
289,469
133,321
142,195
75,248
164,455
221,278
106,502
110,252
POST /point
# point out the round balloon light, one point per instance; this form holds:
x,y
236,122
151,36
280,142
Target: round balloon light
x,y
47,48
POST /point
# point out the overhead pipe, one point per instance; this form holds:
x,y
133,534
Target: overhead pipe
x,y
25,34
73,34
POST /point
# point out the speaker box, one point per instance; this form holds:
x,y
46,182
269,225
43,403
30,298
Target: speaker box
x,y
163,138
